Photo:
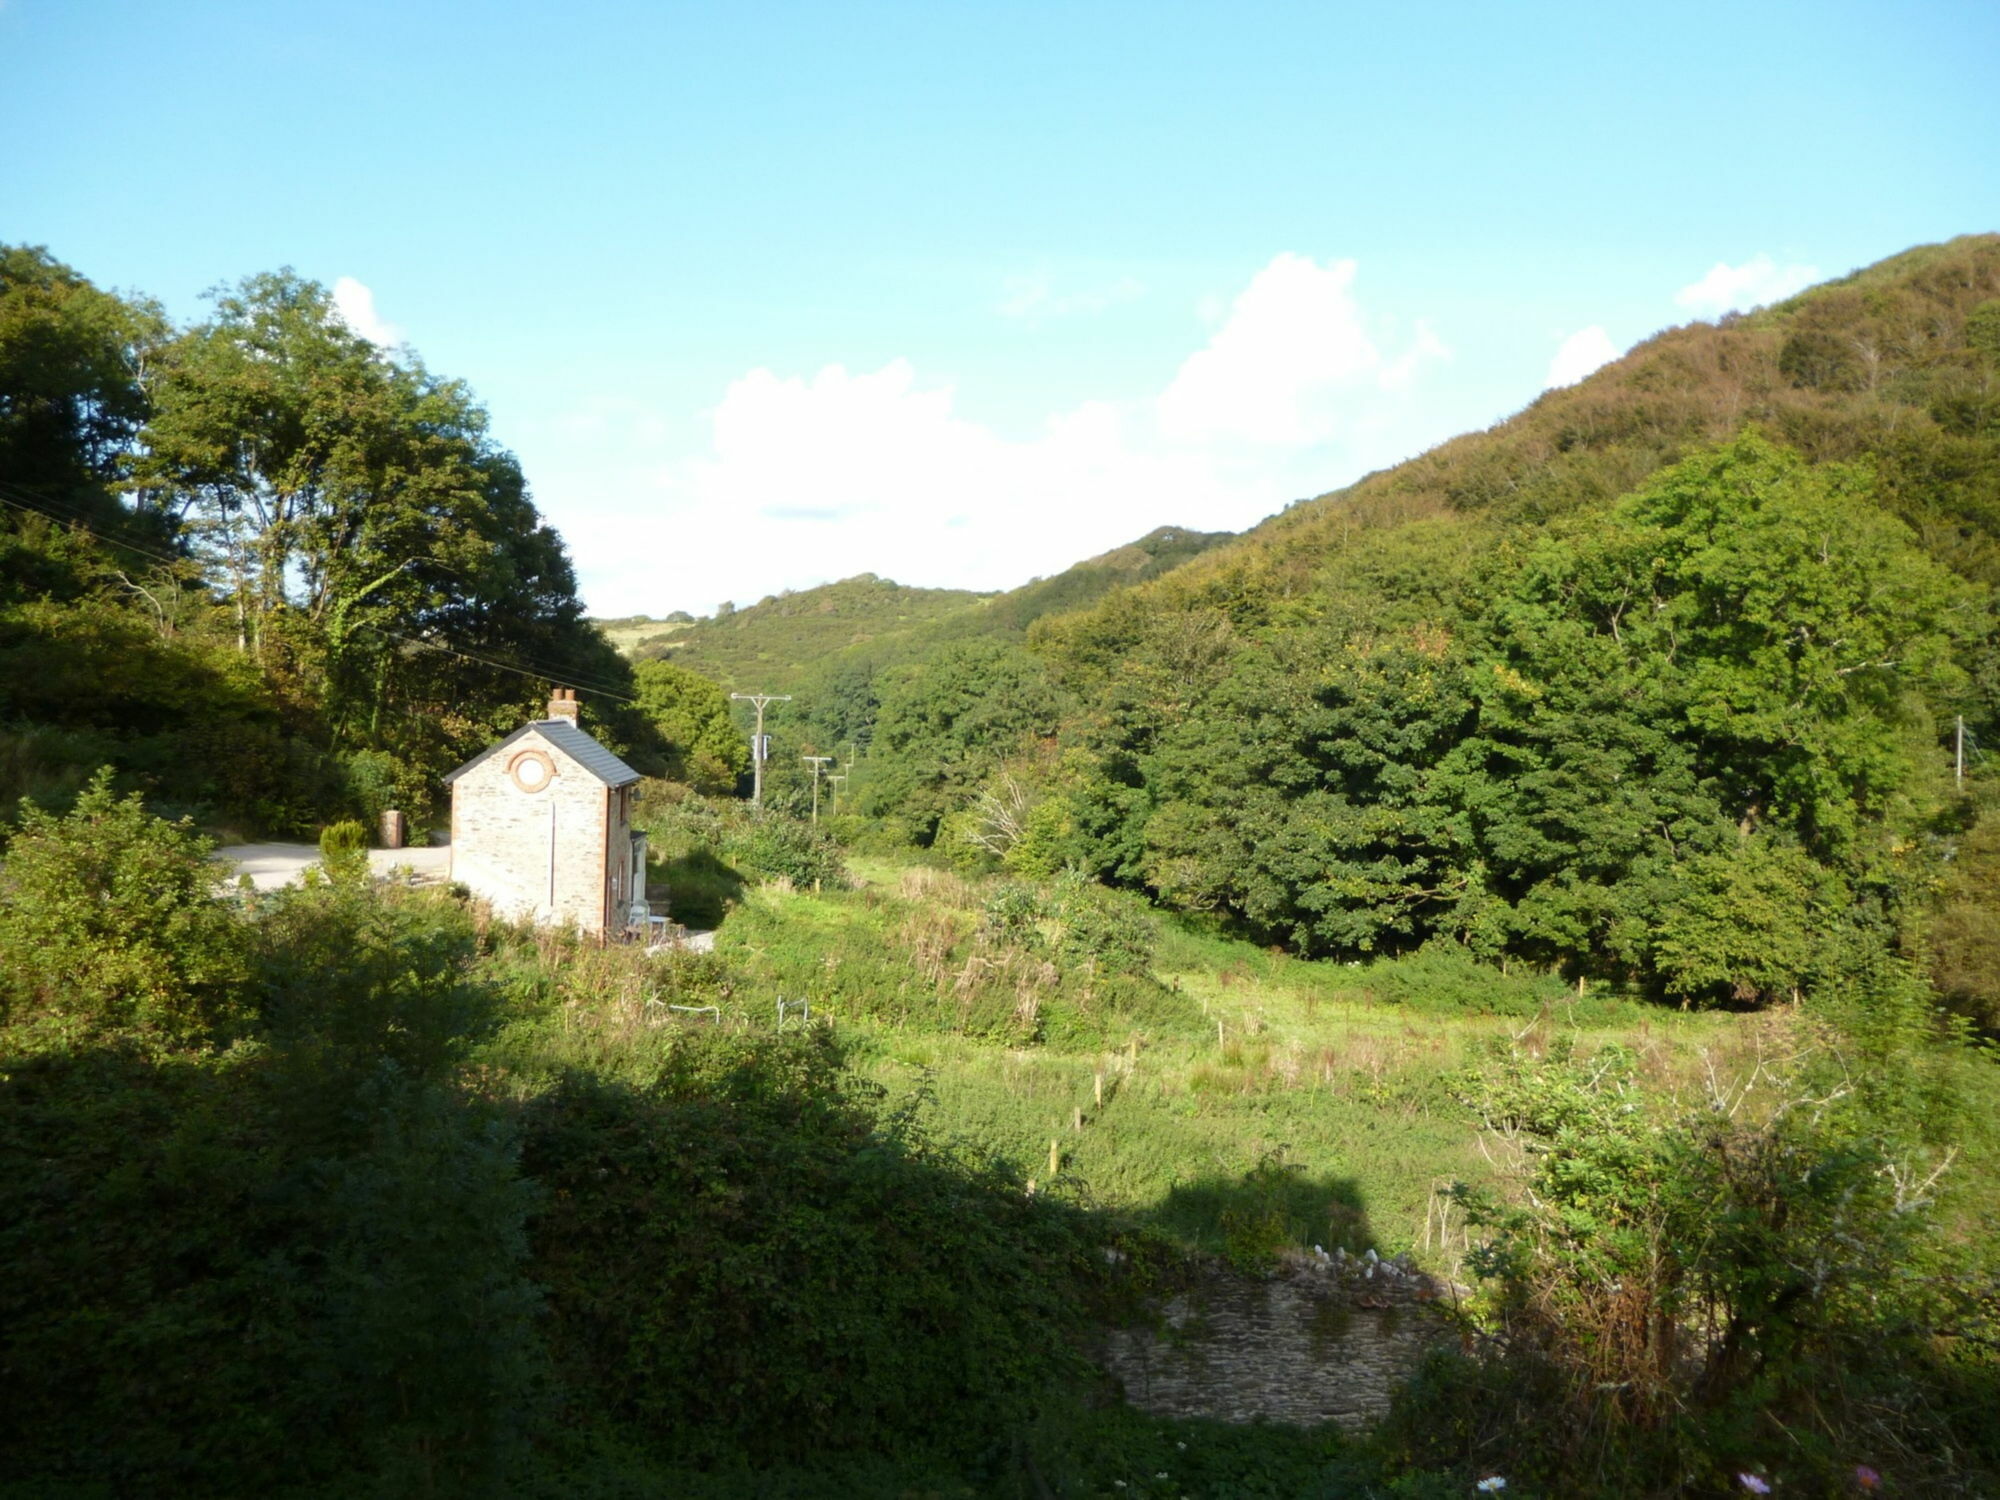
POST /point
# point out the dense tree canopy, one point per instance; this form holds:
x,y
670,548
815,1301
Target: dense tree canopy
x,y
702,745
1712,700
326,568
1653,681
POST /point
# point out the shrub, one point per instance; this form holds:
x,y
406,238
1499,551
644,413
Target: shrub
x,y
778,847
294,1266
108,916
344,972
1443,977
343,852
742,1258
1747,1282
378,781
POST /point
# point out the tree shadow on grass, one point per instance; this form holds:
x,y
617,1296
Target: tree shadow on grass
x,y
699,888
1276,1206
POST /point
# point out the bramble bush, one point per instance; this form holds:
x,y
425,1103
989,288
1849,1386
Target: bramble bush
x,y
1747,1282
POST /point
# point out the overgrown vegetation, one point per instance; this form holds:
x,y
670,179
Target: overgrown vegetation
x,y
415,1207
1323,890
471,1208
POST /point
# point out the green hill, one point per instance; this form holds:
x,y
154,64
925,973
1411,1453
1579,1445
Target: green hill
x,y
782,641
1894,364
767,644
1680,644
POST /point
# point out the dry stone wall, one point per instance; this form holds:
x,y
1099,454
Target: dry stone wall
x,y
1326,1339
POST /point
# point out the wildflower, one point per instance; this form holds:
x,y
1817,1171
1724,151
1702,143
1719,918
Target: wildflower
x,y
1181,1446
1867,1478
1753,1484
1161,1474
1492,1484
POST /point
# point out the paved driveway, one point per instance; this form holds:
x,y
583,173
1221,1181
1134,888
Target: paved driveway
x,y
272,865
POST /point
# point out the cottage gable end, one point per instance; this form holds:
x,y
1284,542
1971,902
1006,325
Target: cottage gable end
x,y
541,826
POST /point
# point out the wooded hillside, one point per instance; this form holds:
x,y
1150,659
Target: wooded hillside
x,y
1658,680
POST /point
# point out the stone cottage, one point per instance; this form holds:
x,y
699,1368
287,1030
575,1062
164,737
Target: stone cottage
x,y
541,826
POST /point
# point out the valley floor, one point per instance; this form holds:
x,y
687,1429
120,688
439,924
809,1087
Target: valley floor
x,y
1321,1102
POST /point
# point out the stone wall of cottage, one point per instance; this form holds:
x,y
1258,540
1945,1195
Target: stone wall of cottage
x,y
1326,1339
537,854
618,854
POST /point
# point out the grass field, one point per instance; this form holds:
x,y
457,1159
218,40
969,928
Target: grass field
x,y
627,634
1238,1093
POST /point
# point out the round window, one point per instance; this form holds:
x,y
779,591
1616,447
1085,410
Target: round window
x,y
532,770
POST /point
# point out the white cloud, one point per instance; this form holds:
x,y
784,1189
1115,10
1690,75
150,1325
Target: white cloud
x,y
1274,373
1759,280
1031,299
356,305
1582,353
810,478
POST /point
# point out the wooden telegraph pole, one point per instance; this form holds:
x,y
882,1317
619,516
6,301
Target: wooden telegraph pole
x,y
819,763
760,746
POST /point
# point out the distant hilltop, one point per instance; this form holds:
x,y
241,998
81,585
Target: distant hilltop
x,y
783,634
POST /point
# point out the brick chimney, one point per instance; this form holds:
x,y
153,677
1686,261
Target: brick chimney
x,y
563,705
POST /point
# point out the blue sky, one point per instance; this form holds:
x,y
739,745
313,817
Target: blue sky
x,y
766,295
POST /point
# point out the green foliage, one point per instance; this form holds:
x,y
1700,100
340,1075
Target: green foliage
x,y
1745,922
377,782
1273,1208
305,513
691,713
943,725
295,1266
1707,708
343,852
1964,939
1445,978
346,974
1686,1292
70,394
109,921
1982,329
706,850
769,645
740,1258
777,847
367,506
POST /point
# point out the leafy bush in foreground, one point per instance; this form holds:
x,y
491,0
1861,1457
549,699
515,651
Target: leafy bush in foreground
x,y
743,1257
108,918
1747,1283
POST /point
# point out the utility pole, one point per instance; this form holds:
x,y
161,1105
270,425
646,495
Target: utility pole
x,y
837,782
1959,773
819,763
760,746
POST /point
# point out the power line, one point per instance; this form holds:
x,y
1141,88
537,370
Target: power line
x,y
542,676
43,510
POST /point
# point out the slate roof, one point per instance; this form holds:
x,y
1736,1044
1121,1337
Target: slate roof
x,y
573,742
